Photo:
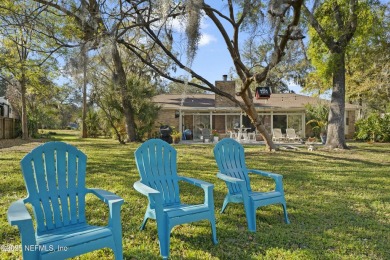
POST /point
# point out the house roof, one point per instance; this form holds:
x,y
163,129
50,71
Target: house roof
x,y
287,101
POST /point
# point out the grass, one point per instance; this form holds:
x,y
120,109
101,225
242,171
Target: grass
x,y
338,203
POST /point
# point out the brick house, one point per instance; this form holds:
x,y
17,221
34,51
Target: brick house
x,y
8,119
212,111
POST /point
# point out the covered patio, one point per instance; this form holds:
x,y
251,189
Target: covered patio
x,y
194,112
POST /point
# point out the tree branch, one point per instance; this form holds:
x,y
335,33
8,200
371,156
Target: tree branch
x,y
241,69
328,40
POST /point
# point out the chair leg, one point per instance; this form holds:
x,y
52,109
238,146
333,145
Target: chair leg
x,y
285,214
164,234
118,252
142,227
164,240
250,213
213,231
224,205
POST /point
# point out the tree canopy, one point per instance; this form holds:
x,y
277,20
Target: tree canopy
x,y
155,43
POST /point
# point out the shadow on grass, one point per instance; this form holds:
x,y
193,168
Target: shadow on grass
x,y
337,204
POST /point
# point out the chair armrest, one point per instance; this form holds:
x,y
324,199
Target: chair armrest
x,y
276,177
106,196
196,182
207,188
154,196
18,214
145,189
233,180
114,203
272,175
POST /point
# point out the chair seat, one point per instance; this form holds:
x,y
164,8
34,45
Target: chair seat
x,y
264,195
184,209
255,196
73,236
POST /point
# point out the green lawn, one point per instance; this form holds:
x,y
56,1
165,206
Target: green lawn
x,y
338,203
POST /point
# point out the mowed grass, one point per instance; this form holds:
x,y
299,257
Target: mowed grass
x,y
338,203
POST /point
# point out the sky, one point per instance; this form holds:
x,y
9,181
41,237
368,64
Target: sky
x,y
212,59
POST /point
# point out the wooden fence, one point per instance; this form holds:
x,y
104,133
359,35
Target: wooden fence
x,y
8,128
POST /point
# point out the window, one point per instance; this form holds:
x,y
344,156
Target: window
x,y
1,110
280,121
232,121
200,122
295,122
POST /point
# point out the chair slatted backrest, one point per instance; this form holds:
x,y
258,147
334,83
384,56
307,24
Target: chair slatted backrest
x,y
290,132
277,133
156,163
230,158
54,174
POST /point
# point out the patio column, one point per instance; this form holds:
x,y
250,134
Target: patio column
x,y
181,121
211,120
303,125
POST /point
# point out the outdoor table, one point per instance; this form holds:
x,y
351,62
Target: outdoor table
x,y
242,132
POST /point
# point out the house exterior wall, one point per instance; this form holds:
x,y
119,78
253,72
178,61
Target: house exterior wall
x,y
219,115
167,117
226,86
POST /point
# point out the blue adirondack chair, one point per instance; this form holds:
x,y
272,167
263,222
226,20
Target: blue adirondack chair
x,y
156,163
54,174
230,158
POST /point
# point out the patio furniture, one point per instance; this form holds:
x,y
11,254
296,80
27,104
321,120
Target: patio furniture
x,y
242,133
242,136
230,158
291,135
277,135
252,136
166,133
232,134
156,163
206,135
54,174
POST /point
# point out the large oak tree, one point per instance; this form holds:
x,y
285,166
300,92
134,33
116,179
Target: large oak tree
x,y
238,15
335,23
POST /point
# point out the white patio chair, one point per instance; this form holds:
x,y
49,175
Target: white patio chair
x,y
232,134
291,135
252,136
277,135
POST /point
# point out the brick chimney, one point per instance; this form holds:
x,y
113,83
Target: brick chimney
x,y
228,86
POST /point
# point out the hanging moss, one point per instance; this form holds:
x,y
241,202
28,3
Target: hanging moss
x,y
194,15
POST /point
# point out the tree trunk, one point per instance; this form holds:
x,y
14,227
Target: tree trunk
x,y
256,121
24,107
121,81
335,132
84,133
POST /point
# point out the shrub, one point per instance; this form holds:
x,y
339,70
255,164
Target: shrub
x,y
317,118
374,128
92,121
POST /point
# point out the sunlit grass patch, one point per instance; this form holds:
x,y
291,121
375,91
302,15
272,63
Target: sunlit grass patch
x,y
338,202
